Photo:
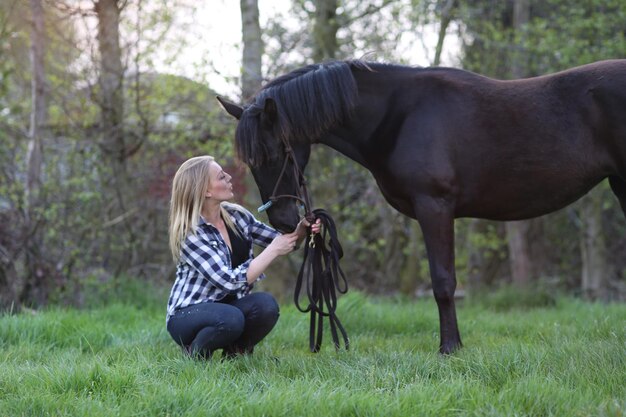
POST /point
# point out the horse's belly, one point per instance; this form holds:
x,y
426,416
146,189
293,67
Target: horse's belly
x,y
512,194
520,201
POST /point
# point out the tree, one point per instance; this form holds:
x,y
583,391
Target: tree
x,y
251,75
111,82
595,266
325,30
447,10
113,137
35,290
10,139
517,232
39,110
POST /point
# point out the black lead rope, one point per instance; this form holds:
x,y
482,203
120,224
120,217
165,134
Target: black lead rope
x,y
322,278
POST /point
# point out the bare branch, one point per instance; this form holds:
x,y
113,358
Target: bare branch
x,y
345,19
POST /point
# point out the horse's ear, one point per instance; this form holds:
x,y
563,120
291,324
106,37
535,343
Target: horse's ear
x,y
270,110
232,109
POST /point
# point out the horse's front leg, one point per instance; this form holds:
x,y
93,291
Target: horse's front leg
x,y
437,222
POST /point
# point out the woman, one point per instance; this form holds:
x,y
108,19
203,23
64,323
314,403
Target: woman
x,y
210,306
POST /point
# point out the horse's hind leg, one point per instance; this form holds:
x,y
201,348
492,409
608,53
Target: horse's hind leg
x,y
437,223
618,185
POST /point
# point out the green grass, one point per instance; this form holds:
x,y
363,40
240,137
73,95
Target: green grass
x,y
118,360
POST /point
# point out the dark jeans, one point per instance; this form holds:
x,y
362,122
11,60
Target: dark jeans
x,y
233,325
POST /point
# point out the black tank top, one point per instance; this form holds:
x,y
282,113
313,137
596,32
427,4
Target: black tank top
x,y
240,251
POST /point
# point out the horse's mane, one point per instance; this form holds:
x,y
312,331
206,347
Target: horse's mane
x,y
309,101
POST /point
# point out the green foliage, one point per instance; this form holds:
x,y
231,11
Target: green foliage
x,y
100,289
576,33
560,35
119,360
374,29
509,297
167,119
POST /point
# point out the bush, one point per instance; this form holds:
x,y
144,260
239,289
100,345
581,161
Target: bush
x,y
512,297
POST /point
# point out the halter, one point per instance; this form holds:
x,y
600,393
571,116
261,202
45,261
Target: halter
x,y
320,273
302,194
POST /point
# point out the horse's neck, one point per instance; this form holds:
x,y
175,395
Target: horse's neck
x,y
363,137
358,140
351,149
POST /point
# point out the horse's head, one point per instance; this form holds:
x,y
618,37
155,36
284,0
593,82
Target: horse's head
x,y
260,143
294,110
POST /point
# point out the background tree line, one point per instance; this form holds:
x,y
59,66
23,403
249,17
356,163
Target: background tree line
x,y
91,134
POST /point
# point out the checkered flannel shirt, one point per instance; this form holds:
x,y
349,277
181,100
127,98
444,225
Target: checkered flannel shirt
x,y
204,272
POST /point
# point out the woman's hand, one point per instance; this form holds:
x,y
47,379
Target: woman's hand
x,y
301,229
281,245
284,244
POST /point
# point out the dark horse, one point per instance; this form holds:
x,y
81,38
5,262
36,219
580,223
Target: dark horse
x,y
443,143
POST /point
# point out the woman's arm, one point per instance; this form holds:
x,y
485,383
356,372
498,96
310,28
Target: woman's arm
x,y
281,245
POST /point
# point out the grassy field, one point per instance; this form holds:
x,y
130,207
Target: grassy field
x,y
118,360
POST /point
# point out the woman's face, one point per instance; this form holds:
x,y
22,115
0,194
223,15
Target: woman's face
x,y
220,187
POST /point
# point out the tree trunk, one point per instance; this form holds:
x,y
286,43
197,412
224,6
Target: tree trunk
x,y
411,272
593,247
251,74
120,250
8,280
519,251
35,289
111,82
325,30
484,263
446,18
517,232
39,113
521,17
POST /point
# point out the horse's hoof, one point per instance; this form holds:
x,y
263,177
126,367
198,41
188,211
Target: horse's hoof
x,y
449,349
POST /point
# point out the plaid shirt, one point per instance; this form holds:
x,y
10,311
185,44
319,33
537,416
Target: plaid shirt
x,y
204,272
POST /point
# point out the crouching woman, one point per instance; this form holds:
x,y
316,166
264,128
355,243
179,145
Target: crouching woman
x,y
210,305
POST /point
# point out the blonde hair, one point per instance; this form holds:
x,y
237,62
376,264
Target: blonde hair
x,y
188,191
